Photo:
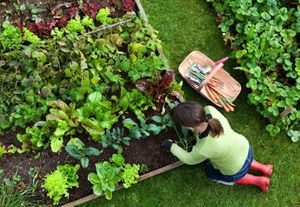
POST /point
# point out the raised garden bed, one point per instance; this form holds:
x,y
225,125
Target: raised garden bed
x,y
20,157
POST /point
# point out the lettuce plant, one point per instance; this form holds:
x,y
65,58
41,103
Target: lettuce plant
x,y
130,174
109,174
31,37
75,26
60,181
105,180
103,16
10,38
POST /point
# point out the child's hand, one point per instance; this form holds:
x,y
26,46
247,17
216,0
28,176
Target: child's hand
x,y
167,144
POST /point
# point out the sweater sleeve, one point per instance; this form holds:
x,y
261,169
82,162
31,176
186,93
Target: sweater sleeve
x,y
190,158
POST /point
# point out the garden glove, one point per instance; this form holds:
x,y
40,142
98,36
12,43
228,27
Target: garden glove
x,y
167,144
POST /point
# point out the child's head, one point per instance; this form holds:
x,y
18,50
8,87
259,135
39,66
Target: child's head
x,y
190,114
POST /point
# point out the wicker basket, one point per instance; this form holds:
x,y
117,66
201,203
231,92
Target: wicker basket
x,y
230,87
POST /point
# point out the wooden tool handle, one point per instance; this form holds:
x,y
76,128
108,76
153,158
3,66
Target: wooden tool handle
x,y
216,69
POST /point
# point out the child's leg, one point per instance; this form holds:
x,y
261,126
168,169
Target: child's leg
x,y
265,169
216,175
259,181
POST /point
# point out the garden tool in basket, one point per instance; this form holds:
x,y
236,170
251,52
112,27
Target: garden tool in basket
x,y
210,80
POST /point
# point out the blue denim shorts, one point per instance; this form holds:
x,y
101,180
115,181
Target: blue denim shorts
x,y
216,175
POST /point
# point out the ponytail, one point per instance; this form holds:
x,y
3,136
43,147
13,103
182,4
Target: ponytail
x,y
215,126
191,114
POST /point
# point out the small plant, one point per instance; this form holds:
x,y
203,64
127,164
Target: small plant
x,y
2,150
164,122
294,135
137,131
109,174
31,37
134,100
272,64
13,192
105,180
130,174
60,181
36,137
77,149
88,22
75,26
186,138
96,115
114,138
13,196
143,129
159,87
10,38
103,16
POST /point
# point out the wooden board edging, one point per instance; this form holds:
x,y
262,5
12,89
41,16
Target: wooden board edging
x,y
143,177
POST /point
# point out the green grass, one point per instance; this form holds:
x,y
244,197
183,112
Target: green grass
x,y
190,25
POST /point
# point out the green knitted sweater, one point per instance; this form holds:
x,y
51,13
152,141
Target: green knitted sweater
x,y
227,152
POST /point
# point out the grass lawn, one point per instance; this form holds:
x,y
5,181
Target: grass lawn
x,y
190,25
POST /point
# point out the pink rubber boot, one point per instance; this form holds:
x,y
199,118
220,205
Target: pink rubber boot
x,y
260,181
265,169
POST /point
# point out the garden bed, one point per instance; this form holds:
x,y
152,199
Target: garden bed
x,y
146,151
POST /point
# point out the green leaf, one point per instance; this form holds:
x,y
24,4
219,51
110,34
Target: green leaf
x,y
91,151
84,162
155,129
252,83
73,151
135,133
46,91
129,123
273,130
93,178
266,16
97,189
40,56
56,144
95,97
59,104
102,16
294,135
157,119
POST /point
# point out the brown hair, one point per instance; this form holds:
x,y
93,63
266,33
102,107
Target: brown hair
x,y
192,114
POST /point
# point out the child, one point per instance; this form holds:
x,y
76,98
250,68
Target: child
x,y
229,153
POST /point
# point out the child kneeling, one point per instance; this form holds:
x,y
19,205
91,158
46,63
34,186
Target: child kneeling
x,y
229,153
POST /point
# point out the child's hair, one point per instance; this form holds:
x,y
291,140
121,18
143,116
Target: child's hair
x,y
192,114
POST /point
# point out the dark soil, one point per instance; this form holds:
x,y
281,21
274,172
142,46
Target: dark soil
x,y
146,151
